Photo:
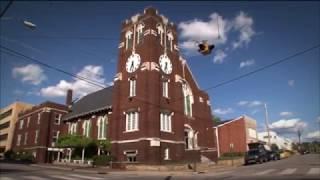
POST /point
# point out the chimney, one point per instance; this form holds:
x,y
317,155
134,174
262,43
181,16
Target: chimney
x,y
69,97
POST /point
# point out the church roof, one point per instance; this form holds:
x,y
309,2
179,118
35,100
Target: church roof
x,y
97,101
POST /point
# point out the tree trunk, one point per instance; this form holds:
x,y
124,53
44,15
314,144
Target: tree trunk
x,y
83,150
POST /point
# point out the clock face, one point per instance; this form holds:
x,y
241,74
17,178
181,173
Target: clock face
x,y
133,63
165,64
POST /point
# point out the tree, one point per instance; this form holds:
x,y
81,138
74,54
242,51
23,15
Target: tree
x,y
103,145
216,119
73,141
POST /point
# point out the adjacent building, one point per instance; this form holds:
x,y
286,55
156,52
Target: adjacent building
x,y
235,134
37,130
282,142
8,118
90,115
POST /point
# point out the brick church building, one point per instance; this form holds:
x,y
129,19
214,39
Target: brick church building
x,y
155,113
159,113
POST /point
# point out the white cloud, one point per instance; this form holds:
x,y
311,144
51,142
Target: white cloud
x,y
216,30
242,103
313,135
219,57
80,88
286,114
221,111
288,125
243,23
247,63
291,83
31,73
250,103
198,30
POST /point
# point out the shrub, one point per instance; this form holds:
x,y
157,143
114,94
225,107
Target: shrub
x,y
26,157
102,160
9,155
233,154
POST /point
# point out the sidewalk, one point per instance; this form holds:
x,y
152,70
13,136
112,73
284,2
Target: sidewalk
x,y
107,170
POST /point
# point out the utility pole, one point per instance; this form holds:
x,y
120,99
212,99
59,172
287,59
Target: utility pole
x,y
267,123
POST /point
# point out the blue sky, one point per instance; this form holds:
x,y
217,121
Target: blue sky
x,y
82,38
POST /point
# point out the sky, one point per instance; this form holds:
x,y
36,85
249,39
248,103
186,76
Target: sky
x,y
82,38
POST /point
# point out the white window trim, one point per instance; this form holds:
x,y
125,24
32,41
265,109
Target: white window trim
x,y
165,122
166,154
102,135
36,136
165,89
130,125
132,87
25,138
19,140
128,37
21,123
28,121
86,128
39,117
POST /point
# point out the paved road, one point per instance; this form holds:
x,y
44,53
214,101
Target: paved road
x,y
298,167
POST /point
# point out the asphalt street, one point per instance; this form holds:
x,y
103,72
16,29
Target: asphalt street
x,y
303,167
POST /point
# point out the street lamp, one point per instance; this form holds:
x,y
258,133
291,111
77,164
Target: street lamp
x,y
29,24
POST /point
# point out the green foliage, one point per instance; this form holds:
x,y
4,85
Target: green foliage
x,y
216,119
10,155
25,157
101,160
104,145
73,141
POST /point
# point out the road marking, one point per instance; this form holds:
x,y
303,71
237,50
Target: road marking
x,y
84,177
314,171
34,177
264,172
288,171
63,177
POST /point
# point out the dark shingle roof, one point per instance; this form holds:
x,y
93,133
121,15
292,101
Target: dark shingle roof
x,y
96,101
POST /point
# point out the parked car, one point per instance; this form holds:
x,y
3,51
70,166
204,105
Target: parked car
x,y
273,155
256,156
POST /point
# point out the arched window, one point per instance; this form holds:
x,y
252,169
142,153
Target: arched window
x,y
170,40
160,32
140,33
86,126
102,127
129,39
188,99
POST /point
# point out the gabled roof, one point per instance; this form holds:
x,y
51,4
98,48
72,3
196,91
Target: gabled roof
x,y
91,103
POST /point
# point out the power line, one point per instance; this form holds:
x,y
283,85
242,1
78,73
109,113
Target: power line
x,y
90,81
255,71
6,8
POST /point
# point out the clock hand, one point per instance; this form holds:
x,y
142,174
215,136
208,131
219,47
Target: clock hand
x,y
131,67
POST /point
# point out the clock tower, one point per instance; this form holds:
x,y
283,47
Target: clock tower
x,y
159,114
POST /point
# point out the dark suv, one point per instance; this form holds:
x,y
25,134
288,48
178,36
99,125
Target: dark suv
x,y
273,155
256,156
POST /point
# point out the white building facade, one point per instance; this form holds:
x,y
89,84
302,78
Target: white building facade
x,y
282,142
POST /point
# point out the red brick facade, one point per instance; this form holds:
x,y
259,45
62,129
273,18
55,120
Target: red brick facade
x,y
148,143
233,136
38,130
